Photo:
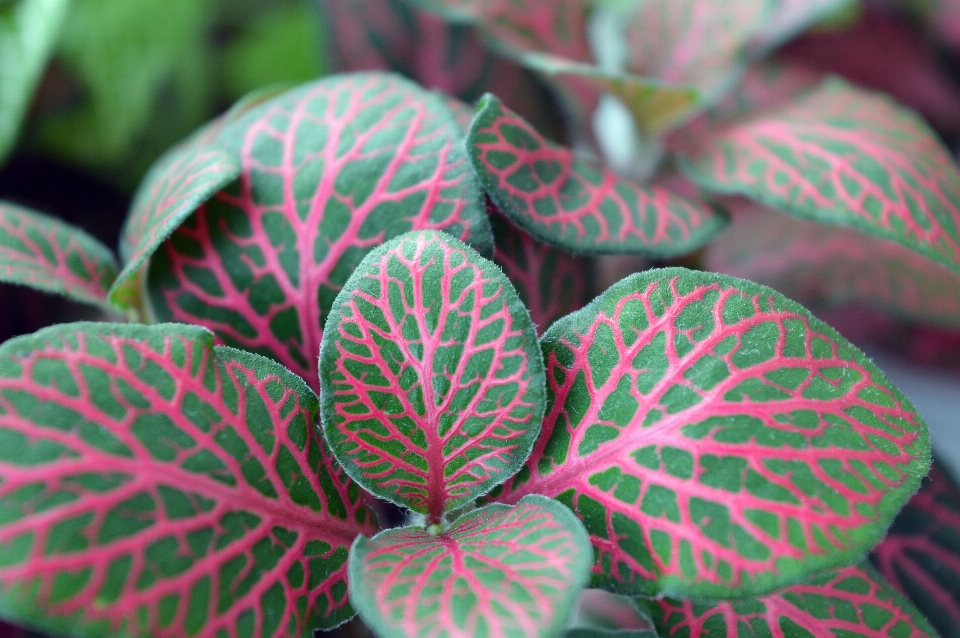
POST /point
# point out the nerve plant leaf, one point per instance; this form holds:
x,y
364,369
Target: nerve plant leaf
x,y
330,170
841,155
498,571
45,253
153,485
571,202
854,601
431,375
716,439
920,555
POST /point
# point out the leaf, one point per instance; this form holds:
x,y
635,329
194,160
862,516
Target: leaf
x,y
48,254
498,571
28,34
920,556
153,485
612,613
841,155
592,632
854,601
793,16
330,170
178,183
716,439
570,202
557,27
431,375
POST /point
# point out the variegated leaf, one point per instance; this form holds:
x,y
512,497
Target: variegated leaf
x,y
153,485
431,375
48,254
571,202
498,571
330,170
716,439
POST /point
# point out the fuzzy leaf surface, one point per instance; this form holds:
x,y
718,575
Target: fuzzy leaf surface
x,y
153,485
431,375
330,170
48,254
841,155
571,202
920,555
716,439
498,571
854,601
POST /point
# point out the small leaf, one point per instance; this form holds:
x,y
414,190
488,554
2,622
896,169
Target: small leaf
x,y
920,555
557,27
792,17
48,254
854,601
841,155
571,202
330,170
592,632
28,34
716,439
498,571
431,375
153,485
611,612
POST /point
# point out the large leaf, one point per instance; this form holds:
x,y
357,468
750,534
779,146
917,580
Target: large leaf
x,y
716,439
920,555
841,155
153,485
572,202
854,601
45,253
431,375
498,571
330,170
28,34
824,265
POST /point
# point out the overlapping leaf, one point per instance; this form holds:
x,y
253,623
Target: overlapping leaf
x,y
330,170
431,375
920,555
613,613
45,253
841,155
152,485
793,16
569,201
825,265
854,601
498,571
716,439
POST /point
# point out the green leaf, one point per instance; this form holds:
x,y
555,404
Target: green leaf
x,y
498,571
28,34
50,255
154,485
431,375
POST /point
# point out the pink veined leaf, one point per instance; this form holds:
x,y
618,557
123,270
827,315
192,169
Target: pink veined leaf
x,y
557,27
571,202
612,612
498,571
854,601
431,375
822,265
920,555
153,485
48,254
330,171
841,155
716,439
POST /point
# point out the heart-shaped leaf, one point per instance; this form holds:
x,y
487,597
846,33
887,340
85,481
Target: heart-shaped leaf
x,y
841,155
920,555
854,601
498,571
331,170
571,202
716,439
431,375
824,265
45,253
153,485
